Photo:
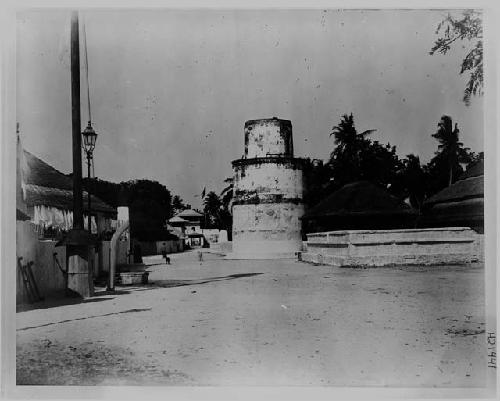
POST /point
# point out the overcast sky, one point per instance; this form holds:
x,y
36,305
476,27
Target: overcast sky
x,y
171,90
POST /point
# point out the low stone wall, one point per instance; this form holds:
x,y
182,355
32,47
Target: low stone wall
x,y
131,278
479,248
451,245
222,248
214,236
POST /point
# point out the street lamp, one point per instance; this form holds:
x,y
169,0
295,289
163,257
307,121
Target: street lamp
x,y
89,138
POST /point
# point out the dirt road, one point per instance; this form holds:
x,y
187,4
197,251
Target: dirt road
x,y
227,322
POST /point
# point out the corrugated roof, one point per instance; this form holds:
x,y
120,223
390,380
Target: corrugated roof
x,y
177,219
189,213
47,186
359,198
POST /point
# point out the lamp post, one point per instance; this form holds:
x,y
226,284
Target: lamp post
x,y
77,241
89,139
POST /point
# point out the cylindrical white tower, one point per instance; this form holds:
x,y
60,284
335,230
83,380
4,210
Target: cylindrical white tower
x,y
267,201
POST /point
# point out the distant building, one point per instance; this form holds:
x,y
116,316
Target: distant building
x,y
459,205
192,219
188,224
360,205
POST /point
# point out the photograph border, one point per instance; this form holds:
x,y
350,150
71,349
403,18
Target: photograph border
x,y
8,209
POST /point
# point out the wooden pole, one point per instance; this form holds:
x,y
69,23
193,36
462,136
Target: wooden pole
x,y
76,124
78,255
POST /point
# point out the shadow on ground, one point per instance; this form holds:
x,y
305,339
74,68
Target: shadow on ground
x,y
62,298
180,283
149,286
135,310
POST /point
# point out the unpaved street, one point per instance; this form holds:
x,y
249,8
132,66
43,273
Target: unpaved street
x,y
282,322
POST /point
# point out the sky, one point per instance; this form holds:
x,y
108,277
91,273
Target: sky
x,y
170,90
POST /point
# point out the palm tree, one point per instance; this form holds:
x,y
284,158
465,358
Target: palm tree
x,y
450,148
347,138
226,198
226,195
345,158
178,204
415,181
212,208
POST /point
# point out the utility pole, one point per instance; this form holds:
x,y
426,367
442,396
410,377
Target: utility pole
x,y
79,253
76,124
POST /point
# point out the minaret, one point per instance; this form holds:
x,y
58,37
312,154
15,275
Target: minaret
x,y
268,189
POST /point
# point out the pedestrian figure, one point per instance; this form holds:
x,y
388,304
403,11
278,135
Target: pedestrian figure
x,y
200,256
164,254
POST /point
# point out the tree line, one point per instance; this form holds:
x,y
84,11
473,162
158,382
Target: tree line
x,y
150,203
357,157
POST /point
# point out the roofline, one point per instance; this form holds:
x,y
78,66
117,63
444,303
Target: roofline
x,y
267,120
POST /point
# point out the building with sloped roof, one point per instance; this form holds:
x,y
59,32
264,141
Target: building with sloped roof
x,y
190,214
188,223
44,213
43,184
459,205
359,205
188,220
46,196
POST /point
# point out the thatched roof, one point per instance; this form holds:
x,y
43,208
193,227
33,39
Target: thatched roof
x,y
474,170
357,199
37,172
460,204
468,188
470,185
44,185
